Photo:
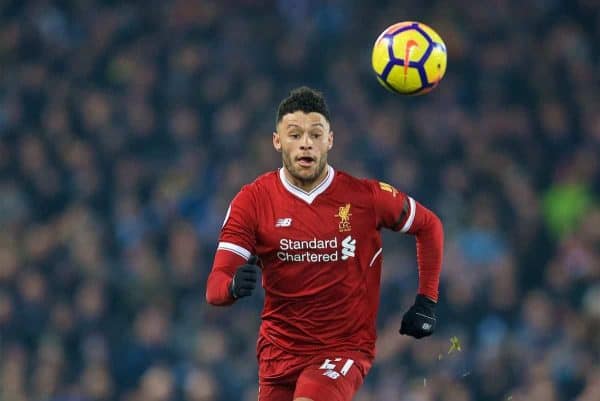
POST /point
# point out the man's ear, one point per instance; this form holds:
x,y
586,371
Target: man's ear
x,y
276,141
330,141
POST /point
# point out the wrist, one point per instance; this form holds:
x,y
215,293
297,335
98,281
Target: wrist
x,y
232,288
424,300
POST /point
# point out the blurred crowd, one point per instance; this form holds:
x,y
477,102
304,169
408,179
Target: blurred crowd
x,y
127,127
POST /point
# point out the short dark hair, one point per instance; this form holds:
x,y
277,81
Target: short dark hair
x,y
303,99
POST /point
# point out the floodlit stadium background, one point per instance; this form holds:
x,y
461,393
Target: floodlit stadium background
x,y
126,128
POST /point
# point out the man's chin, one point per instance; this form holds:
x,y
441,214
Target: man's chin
x,y
306,175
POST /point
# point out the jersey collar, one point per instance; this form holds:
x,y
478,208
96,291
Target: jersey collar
x,y
309,196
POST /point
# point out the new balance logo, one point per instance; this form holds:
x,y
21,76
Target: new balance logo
x,y
285,222
332,374
348,247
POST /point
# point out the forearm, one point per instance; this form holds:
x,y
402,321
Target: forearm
x,y
219,281
429,234
217,289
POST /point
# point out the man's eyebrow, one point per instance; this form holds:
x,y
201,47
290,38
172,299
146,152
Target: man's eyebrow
x,y
290,125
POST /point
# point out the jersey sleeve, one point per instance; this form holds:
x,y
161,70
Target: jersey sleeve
x,y
237,242
238,234
399,212
393,209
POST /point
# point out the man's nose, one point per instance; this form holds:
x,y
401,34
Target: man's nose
x,y
307,142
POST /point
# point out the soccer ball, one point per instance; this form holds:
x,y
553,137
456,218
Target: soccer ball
x,y
409,58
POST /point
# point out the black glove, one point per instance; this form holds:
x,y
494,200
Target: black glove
x,y
244,280
419,320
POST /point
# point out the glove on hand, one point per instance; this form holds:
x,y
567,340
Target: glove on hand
x,y
419,321
244,280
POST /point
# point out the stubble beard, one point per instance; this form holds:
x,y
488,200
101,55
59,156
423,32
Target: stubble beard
x,y
295,172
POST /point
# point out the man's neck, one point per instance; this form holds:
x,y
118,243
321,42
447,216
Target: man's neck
x,y
306,186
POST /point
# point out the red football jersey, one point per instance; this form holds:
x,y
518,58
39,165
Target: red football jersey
x,y
321,255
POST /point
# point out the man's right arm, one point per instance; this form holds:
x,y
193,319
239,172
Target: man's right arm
x,y
218,285
236,245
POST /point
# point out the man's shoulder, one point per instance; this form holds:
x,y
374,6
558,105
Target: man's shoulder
x,y
262,183
368,184
267,179
353,182
254,192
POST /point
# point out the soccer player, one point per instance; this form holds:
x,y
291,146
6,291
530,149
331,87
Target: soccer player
x,y
315,234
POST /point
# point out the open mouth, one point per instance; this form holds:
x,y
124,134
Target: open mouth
x,y
305,161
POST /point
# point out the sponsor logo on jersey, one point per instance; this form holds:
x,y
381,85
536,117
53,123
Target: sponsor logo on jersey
x,y
348,247
344,216
387,187
284,222
316,250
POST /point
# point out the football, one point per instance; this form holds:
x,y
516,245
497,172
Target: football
x,y
409,58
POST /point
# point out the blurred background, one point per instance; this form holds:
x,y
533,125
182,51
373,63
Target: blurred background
x,y
127,127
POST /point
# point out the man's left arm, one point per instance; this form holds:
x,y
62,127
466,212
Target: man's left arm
x,y
399,212
420,320
427,227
